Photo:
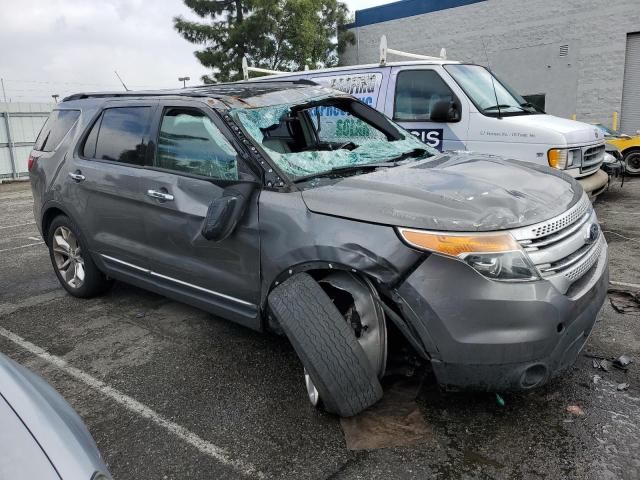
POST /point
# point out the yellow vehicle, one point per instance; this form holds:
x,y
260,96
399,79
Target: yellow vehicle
x,y
629,147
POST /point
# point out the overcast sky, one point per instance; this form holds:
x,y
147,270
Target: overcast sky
x,y
65,46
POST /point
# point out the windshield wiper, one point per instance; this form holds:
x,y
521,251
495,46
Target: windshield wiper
x,y
416,152
498,107
531,105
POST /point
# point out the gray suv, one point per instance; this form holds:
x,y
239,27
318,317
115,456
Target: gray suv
x,y
297,209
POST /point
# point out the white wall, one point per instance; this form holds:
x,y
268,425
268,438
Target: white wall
x,y
522,39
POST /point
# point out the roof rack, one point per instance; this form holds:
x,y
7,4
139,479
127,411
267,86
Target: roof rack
x,y
384,50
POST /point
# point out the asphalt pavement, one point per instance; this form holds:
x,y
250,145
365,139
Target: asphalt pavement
x,y
171,392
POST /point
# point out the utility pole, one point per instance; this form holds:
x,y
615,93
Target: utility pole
x,y
55,97
7,120
184,81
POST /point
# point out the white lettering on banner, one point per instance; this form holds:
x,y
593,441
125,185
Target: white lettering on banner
x,y
432,137
364,86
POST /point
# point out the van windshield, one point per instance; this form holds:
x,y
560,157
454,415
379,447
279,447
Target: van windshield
x,y
490,95
332,137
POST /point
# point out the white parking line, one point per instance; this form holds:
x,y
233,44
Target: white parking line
x,y
22,246
136,407
18,225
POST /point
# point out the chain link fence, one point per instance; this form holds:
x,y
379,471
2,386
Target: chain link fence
x,y
19,127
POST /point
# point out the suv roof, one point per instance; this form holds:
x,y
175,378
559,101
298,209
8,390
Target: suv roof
x,y
247,94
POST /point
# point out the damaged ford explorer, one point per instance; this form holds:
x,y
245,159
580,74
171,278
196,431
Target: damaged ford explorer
x,y
293,208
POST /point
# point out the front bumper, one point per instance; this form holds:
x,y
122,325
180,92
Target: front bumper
x,y
498,336
594,184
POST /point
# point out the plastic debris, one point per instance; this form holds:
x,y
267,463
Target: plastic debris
x,y
622,362
624,301
596,378
500,400
140,315
575,410
602,364
623,386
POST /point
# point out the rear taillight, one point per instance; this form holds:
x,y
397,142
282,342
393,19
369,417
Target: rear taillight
x,y
31,162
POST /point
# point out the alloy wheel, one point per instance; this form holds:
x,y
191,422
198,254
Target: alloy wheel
x,y
67,255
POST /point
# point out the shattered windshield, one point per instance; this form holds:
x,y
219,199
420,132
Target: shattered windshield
x,y
328,136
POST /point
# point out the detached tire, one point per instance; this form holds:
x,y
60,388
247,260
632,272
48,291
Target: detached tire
x,y
326,346
72,262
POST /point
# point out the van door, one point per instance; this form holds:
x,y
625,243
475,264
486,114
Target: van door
x,y
103,182
193,162
412,94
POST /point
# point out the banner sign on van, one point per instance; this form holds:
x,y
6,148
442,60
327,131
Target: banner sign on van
x,y
430,136
363,86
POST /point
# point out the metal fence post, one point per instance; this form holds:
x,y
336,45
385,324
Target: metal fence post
x,y
12,153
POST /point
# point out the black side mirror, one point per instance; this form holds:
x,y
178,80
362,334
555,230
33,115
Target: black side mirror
x,y
225,212
444,111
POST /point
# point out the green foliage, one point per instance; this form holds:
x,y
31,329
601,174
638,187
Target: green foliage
x,y
273,34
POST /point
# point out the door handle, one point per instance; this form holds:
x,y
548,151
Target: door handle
x,y
159,195
77,176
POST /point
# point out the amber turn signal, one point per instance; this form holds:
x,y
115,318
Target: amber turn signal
x,y
456,245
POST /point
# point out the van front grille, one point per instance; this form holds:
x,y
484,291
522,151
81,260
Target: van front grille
x,y
592,157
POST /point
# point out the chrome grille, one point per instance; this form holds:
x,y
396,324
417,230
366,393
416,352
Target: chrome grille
x,y
592,157
561,248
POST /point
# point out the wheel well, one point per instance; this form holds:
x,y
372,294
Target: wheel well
x,y
630,150
47,218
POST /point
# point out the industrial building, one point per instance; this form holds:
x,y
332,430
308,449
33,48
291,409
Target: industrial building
x,y
574,57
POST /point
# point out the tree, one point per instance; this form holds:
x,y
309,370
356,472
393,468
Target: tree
x,y
273,34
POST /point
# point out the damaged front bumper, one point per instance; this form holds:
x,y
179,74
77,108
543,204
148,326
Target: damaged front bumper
x,y
497,336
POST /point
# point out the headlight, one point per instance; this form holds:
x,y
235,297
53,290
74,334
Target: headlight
x,y
497,256
562,158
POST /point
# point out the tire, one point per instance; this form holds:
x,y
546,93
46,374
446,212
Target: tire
x,y
92,282
632,161
326,346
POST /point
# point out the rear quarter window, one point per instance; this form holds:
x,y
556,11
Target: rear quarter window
x,y
118,135
55,128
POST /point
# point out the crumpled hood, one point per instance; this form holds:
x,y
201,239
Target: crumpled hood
x,y
456,191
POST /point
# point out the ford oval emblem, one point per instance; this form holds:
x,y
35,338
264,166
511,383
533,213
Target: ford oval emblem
x,y
592,233
595,132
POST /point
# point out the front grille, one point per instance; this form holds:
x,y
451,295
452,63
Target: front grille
x,y
592,157
561,248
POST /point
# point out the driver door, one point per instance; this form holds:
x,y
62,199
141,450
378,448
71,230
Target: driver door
x,y
190,165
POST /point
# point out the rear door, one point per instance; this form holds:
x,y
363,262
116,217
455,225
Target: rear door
x,y
104,187
193,162
412,92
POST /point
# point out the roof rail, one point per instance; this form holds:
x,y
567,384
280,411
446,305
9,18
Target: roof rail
x,y
384,50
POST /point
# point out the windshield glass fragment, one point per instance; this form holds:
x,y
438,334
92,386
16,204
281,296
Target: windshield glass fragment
x,y
332,134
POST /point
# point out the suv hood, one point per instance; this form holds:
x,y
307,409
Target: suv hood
x,y
456,191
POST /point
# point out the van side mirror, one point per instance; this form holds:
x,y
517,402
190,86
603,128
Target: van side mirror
x,y
445,111
224,213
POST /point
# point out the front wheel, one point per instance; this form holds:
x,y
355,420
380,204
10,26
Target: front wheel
x,y
632,162
71,261
338,373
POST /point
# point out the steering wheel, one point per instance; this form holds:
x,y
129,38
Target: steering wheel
x,y
347,144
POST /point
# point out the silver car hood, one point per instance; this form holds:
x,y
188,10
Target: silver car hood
x,y
457,191
52,422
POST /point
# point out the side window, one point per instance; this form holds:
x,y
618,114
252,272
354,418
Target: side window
x,y
189,142
119,135
417,91
55,128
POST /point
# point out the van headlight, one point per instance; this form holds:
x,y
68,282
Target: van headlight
x,y
496,256
562,158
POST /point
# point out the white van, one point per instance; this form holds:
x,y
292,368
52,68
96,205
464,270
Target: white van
x,y
456,106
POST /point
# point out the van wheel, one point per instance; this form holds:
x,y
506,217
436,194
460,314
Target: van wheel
x,y
632,162
339,373
72,262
